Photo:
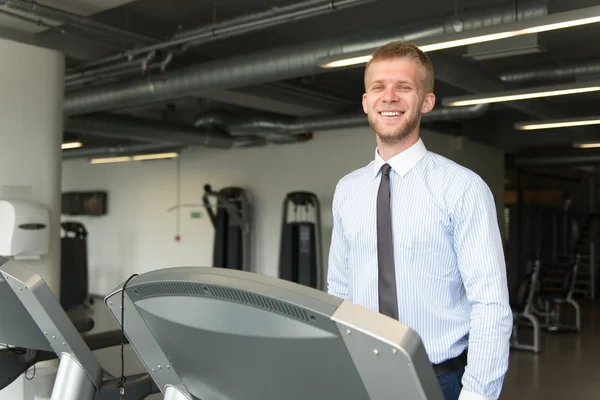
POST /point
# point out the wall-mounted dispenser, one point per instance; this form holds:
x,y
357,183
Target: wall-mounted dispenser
x,y
24,229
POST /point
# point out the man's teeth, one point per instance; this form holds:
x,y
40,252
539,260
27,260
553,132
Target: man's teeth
x,y
390,113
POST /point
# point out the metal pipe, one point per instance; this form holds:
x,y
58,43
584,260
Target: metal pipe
x,y
272,65
552,73
293,126
165,136
73,20
254,22
147,130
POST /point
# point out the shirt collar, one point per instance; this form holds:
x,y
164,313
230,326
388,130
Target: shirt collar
x,y
403,162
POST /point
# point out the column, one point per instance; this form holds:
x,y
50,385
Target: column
x,y
31,121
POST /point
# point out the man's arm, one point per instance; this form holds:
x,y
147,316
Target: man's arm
x,y
480,257
337,281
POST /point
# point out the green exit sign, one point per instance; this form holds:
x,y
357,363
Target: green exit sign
x,y
196,214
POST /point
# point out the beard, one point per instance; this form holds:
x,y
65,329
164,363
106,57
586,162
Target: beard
x,y
394,133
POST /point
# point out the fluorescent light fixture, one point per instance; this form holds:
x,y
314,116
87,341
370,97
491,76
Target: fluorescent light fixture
x,y
158,156
587,145
140,157
568,19
522,94
71,145
107,160
558,123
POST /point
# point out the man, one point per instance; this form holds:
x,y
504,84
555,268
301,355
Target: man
x,y
416,236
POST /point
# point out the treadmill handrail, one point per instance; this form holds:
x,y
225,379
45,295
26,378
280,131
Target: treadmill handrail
x,y
50,317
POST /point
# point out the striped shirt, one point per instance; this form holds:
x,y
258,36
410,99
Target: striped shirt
x,y
450,269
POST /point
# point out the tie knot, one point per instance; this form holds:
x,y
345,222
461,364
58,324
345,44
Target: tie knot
x,y
385,169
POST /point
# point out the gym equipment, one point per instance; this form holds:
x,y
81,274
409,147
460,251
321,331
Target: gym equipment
x,y
300,258
74,265
212,333
556,288
15,361
522,309
231,221
32,319
538,232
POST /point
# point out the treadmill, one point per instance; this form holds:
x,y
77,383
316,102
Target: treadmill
x,y
212,334
33,320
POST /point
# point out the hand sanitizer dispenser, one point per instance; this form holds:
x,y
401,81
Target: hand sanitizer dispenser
x,y
24,229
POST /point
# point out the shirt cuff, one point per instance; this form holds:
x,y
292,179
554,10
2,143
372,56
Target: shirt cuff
x,y
465,395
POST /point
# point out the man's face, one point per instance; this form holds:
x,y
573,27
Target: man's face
x,y
395,98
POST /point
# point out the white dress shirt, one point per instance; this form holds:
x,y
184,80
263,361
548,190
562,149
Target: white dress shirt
x,y
450,269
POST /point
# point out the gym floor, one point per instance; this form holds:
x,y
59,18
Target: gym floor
x,y
567,368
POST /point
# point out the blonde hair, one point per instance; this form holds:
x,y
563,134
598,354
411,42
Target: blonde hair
x,y
407,50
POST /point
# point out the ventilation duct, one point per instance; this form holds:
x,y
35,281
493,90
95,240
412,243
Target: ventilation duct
x,y
282,63
242,133
294,126
562,72
81,23
237,26
146,130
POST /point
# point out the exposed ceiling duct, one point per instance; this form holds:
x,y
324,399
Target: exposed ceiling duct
x,y
147,130
466,76
221,131
568,71
292,126
74,21
235,27
281,63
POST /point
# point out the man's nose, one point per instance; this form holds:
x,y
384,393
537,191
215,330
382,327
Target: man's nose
x,y
390,95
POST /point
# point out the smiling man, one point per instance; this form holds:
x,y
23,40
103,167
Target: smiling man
x,y
416,236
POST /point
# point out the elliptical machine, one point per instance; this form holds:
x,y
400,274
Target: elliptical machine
x,y
300,248
231,248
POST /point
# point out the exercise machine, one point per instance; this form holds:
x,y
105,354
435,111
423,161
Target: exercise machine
x,y
33,320
522,309
300,258
212,333
556,289
231,221
74,266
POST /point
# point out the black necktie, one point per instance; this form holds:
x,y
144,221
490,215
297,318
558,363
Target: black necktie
x,y
388,303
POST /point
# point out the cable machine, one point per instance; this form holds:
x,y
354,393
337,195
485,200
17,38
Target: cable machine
x,y
300,249
231,221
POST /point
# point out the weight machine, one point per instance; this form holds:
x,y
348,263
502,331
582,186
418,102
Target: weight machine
x,y
300,259
231,221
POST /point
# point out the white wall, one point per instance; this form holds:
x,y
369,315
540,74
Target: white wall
x,y
138,233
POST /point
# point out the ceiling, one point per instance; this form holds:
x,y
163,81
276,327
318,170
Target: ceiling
x,y
121,25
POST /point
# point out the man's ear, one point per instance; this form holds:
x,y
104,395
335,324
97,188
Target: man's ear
x,y
428,103
364,103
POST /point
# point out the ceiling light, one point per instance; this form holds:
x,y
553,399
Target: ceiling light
x,y
140,157
522,94
559,123
546,23
71,145
110,160
158,156
586,145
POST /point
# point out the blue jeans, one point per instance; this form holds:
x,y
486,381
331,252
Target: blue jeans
x,y
451,384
